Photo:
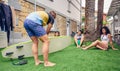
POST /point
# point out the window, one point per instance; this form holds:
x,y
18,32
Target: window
x,y
54,28
15,4
69,6
52,0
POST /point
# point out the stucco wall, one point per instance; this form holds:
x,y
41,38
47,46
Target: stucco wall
x,y
73,26
61,24
61,6
27,7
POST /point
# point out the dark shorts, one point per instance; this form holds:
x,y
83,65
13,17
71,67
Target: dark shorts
x,y
34,29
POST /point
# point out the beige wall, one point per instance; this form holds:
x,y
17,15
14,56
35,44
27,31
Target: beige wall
x,y
26,8
73,26
61,6
4,1
61,25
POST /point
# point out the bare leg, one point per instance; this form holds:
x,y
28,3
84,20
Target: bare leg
x,y
45,50
76,41
81,41
35,50
100,47
78,45
93,44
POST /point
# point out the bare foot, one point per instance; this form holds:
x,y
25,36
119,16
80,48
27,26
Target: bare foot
x,y
104,49
114,49
49,64
84,48
38,63
78,46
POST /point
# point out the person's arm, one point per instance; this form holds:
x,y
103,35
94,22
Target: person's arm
x,y
75,39
82,39
49,28
111,42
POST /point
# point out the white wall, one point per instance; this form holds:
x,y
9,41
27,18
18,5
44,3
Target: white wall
x,y
61,6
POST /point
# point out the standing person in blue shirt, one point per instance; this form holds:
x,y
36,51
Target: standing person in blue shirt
x,y
34,26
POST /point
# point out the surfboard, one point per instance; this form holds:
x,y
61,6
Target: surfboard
x,y
24,48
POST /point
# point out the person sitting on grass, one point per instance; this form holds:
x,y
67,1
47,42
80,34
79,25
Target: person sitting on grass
x,y
34,26
57,33
105,40
79,38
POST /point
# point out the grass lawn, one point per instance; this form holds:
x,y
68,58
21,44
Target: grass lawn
x,y
72,59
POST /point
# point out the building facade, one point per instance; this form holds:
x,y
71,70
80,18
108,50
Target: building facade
x,y
68,13
114,13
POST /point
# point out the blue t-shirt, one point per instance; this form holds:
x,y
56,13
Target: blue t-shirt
x,y
51,19
35,17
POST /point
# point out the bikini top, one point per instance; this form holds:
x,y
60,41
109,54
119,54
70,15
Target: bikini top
x,y
104,38
79,37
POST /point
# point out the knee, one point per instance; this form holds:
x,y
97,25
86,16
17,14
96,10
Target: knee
x,y
35,42
46,41
97,41
96,46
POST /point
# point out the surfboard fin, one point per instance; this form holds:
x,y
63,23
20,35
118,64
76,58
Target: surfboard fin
x,y
9,53
21,57
18,47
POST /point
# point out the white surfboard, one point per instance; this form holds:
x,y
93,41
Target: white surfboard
x,y
24,48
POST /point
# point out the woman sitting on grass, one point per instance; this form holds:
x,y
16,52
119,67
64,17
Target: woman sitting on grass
x,y
105,40
79,37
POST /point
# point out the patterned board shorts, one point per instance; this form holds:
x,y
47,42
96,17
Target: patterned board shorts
x,y
34,29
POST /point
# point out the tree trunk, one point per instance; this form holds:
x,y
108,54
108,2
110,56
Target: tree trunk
x,y
100,16
90,20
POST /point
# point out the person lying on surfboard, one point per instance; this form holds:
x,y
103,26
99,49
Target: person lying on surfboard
x,y
105,40
33,24
79,38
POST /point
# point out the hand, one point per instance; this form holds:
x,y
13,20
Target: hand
x,y
83,46
78,46
114,48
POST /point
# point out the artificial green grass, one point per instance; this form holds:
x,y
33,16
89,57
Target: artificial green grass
x,y
72,59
